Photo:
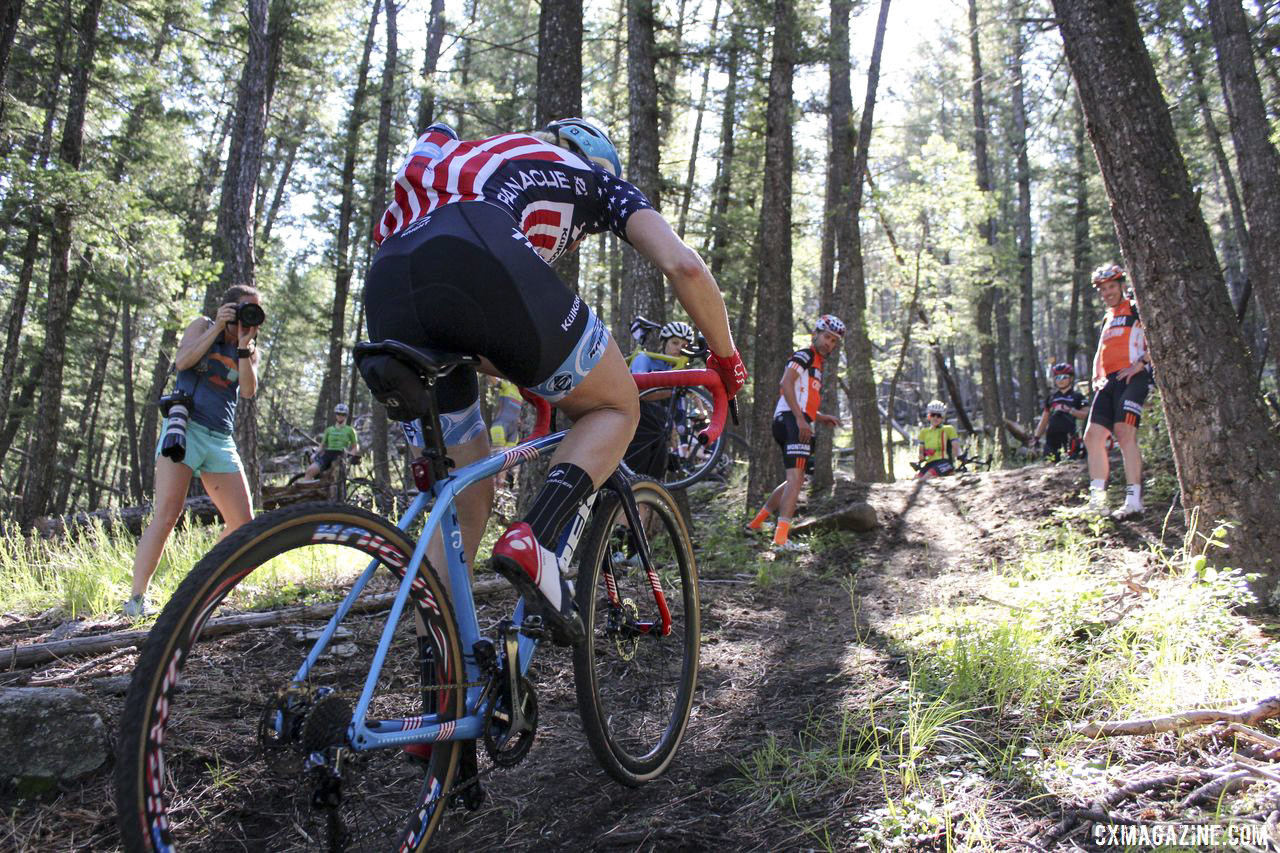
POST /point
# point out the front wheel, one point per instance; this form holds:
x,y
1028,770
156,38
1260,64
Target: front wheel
x,y
219,747
690,461
635,681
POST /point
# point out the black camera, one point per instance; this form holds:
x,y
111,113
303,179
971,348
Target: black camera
x,y
177,408
250,314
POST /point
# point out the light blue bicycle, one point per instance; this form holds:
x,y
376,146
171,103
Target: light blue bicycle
x,y
235,745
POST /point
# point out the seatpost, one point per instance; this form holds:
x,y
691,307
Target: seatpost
x,y
434,464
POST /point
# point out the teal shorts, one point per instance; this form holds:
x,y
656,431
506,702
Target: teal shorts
x,y
208,450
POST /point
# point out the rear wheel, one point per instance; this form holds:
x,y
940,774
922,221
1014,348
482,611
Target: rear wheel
x,y
220,749
635,685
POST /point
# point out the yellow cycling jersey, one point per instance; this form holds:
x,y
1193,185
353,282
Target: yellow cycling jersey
x,y
936,440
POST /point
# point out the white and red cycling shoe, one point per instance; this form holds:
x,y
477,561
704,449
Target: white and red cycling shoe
x,y
535,573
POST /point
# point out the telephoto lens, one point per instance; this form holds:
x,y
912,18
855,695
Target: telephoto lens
x,y
250,314
174,444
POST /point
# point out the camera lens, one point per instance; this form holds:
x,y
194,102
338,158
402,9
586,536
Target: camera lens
x,y
250,314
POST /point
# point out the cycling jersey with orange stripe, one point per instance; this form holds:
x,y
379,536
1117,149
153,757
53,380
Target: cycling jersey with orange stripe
x,y
807,383
1123,340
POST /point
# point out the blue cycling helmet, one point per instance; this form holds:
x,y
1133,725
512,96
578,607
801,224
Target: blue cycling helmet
x,y
441,127
589,141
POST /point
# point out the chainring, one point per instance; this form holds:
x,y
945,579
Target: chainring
x,y
505,748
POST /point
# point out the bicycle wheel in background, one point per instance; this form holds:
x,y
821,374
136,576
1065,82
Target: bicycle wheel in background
x,y
635,685
690,461
220,750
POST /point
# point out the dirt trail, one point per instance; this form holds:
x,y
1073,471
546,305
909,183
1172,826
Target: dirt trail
x,y
773,655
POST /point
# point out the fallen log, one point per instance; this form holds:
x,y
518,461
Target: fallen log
x,y
857,516
19,656
1248,715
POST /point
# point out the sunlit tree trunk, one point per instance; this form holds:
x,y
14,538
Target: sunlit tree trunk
x,y
641,281
377,204
1080,246
1029,372
773,257
430,59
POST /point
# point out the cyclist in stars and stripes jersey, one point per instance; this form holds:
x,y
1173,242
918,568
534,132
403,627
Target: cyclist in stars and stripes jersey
x,y
463,264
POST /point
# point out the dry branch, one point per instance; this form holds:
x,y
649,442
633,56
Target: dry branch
x,y
1246,714
19,656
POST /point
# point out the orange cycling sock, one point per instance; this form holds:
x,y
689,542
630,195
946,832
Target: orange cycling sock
x,y
783,531
756,522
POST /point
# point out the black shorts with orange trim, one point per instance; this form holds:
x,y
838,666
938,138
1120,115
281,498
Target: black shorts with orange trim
x,y
1120,400
795,453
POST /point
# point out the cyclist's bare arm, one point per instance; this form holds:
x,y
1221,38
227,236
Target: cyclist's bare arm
x,y
1043,425
788,389
693,283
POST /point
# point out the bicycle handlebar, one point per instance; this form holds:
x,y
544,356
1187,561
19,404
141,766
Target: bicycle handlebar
x,y
704,378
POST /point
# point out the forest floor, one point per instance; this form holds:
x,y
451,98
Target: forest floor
x,y
910,688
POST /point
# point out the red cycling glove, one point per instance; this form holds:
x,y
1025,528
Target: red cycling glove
x,y
731,370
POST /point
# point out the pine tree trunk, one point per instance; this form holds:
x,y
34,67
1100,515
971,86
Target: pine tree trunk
x,y
1029,372
1080,245
773,256
430,59
992,412
1257,157
560,84
1227,461
58,303
10,11
377,204
88,419
131,408
851,287
641,281
724,180
331,385
233,236
37,223
699,111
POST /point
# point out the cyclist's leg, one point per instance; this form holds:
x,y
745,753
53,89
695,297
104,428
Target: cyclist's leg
x,y
1102,418
1126,431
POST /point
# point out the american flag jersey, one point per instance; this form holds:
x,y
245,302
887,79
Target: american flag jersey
x,y
554,195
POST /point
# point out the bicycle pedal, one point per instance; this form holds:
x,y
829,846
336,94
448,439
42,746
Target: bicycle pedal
x,y
534,628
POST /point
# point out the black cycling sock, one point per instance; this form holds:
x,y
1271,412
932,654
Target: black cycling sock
x,y
566,487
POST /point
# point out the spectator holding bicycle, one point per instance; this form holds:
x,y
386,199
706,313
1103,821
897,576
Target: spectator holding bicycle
x,y
1061,410
464,264
216,362
794,418
1122,380
939,443
649,448
338,439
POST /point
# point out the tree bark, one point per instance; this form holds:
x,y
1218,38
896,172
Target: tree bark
x,y
851,287
88,419
1227,461
641,281
10,11
699,111
1080,246
377,204
130,405
1256,156
233,236
724,175
58,303
331,385
773,256
992,412
36,224
430,59
1029,371
560,84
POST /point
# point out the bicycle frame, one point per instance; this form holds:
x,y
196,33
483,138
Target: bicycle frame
x,y
364,734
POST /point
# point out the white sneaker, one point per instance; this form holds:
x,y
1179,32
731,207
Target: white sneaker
x,y
136,607
1128,510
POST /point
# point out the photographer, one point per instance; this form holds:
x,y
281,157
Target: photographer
x,y
215,359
